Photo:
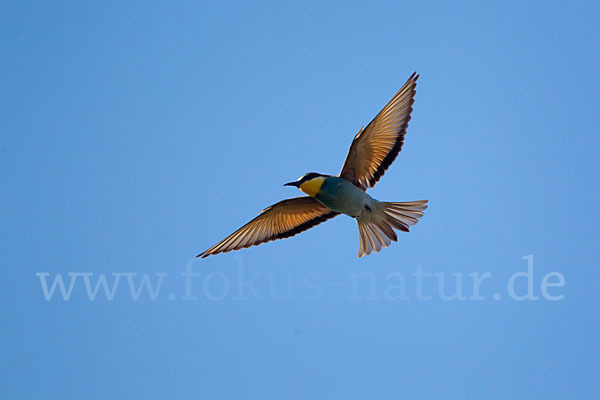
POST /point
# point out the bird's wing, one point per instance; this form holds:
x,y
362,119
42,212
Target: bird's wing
x,y
375,147
281,220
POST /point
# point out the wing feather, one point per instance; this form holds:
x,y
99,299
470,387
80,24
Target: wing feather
x,y
375,147
279,221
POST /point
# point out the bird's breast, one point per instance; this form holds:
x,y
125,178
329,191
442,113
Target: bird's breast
x,y
344,197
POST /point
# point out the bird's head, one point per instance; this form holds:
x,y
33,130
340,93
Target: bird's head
x,y
309,183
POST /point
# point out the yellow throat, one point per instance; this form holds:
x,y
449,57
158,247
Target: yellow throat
x,y
313,186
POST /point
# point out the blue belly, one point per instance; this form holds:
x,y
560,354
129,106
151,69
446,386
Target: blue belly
x,y
342,196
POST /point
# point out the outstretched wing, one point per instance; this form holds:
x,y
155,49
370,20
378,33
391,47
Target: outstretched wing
x,y
375,147
281,220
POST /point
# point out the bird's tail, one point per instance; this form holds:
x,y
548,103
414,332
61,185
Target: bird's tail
x,y
376,229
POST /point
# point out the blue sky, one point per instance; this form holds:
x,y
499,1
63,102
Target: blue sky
x,y
135,135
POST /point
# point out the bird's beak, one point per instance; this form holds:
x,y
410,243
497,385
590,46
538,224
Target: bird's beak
x,y
291,184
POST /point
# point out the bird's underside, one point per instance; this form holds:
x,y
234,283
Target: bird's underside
x,y
372,151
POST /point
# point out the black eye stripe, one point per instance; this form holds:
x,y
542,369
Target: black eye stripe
x,y
309,176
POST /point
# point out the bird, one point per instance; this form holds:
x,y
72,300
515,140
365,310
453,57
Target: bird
x,y
372,151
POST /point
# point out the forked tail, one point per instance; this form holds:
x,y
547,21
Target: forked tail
x,y
376,229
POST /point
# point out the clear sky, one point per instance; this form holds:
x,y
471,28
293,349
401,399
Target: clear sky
x,y
134,135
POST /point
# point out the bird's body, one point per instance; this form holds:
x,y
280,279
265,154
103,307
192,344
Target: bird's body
x,y
343,196
372,151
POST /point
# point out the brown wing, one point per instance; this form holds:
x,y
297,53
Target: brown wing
x,y
375,147
281,220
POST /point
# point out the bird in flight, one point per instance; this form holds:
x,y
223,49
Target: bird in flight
x,y
372,151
